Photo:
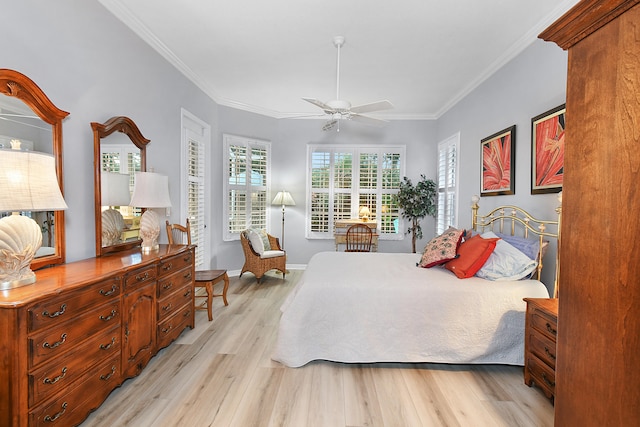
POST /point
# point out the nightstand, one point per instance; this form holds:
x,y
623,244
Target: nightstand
x,y
541,328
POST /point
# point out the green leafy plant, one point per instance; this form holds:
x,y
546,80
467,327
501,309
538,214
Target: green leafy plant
x,y
416,202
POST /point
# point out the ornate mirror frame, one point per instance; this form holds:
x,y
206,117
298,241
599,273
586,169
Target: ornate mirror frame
x,y
101,131
15,84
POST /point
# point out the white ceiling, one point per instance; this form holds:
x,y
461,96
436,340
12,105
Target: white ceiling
x,y
265,55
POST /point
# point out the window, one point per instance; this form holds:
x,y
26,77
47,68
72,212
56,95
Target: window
x,y
342,179
247,180
447,183
196,136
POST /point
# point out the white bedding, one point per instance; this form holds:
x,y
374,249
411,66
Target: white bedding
x,y
380,307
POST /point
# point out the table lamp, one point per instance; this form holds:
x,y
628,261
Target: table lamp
x,y
364,213
114,190
283,198
28,183
151,190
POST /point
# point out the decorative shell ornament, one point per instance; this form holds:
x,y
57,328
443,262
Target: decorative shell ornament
x,y
112,226
20,238
149,230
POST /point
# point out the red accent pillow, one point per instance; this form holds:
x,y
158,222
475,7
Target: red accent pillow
x,y
442,248
472,254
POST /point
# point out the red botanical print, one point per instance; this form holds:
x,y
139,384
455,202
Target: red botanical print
x,y
496,163
549,152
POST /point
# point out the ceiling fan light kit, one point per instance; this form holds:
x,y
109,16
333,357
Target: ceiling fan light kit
x,y
339,109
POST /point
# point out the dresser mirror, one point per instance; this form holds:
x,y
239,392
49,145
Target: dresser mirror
x,y
30,121
119,152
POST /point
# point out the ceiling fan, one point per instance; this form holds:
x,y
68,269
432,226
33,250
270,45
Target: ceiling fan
x,y
339,109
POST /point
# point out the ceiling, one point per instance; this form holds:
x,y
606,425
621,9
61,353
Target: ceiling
x,y
264,56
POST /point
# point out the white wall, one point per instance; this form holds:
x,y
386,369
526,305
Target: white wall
x,y
93,66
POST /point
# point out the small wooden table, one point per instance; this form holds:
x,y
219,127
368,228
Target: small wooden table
x,y
541,328
343,225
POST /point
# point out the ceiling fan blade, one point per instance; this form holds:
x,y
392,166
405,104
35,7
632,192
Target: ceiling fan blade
x,y
320,104
373,106
371,121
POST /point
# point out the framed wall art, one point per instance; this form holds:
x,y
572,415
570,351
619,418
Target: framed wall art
x,y
547,151
498,163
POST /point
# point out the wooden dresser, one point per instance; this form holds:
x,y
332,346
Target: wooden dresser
x,y
541,328
84,327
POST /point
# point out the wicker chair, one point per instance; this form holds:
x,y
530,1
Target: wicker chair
x,y
359,238
258,265
181,234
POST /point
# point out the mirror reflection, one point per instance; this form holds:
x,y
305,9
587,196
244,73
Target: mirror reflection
x,y
22,129
119,160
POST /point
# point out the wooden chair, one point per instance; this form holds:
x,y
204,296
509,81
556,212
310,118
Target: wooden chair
x,y
257,264
359,238
180,234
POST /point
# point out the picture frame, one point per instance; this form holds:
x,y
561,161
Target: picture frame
x,y
498,163
547,151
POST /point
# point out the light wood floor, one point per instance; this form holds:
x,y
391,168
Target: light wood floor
x,y
221,374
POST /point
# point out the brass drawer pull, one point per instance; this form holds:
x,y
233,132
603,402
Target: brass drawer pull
x,y
63,308
186,294
108,346
550,329
51,419
546,380
56,379
141,277
167,266
63,338
546,350
109,375
165,330
187,258
109,317
167,307
186,313
167,285
187,276
113,290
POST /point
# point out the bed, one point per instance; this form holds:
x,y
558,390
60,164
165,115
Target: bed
x,y
381,307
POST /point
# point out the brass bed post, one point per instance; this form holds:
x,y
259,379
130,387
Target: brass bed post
x,y
474,212
556,283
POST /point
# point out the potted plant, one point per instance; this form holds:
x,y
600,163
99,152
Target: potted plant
x,y
416,202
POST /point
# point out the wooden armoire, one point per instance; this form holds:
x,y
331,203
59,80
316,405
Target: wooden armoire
x,y
598,354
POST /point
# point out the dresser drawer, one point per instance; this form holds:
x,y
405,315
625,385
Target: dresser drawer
x,y
543,347
175,263
70,407
63,372
174,302
64,337
541,374
544,323
171,328
68,306
140,277
171,283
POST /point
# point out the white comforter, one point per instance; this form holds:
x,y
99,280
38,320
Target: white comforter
x,y
380,307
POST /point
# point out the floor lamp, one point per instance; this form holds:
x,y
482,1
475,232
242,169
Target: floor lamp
x,y
283,198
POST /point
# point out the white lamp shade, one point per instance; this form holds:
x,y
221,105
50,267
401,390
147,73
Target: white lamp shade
x,y
28,182
283,198
364,211
114,189
151,190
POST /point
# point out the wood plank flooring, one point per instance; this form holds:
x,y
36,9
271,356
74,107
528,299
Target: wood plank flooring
x,y
221,374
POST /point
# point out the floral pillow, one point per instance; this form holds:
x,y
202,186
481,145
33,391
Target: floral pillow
x,y
442,248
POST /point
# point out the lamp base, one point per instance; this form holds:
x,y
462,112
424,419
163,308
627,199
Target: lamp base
x,y
149,231
21,238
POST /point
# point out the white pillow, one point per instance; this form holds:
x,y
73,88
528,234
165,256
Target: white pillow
x,y
256,241
506,262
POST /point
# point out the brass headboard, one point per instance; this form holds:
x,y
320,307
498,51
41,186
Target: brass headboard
x,y
506,218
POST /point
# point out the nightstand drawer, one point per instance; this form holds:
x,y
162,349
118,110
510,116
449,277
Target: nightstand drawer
x,y
542,375
545,324
544,348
